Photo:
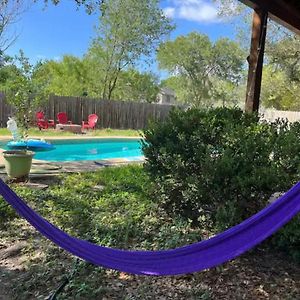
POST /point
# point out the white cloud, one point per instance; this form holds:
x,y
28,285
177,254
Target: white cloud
x,y
169,12
200,11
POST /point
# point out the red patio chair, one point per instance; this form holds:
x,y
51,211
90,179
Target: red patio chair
x,y
42,122
62,118
91,123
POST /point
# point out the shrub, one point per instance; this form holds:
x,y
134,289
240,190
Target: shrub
x,y
220,165
288,239
6,212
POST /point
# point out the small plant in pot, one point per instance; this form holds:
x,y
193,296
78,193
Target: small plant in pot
x,y
25,94
18,164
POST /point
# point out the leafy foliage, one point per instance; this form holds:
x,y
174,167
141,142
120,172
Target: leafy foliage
x,y
90,5
6,212
129,30
67,77
136,86
24,90
113,207
7,71
282,75
280,87
82,77
288,239
128,33
278,91
220,165
195,61
284,55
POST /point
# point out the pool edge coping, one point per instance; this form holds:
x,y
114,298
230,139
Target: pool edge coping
x,y
75,137
69,165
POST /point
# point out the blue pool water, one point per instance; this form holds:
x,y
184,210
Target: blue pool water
x,y
94,149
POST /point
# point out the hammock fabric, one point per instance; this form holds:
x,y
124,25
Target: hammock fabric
x,y
192,258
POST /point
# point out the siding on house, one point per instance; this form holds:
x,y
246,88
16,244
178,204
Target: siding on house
x,y
166,96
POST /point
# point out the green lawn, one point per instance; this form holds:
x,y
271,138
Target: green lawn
x,y
98,132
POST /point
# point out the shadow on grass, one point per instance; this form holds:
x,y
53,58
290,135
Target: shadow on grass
x,y
259,275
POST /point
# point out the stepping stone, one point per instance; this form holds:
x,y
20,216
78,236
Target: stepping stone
x,y
99,187
12,251
36,186
275,196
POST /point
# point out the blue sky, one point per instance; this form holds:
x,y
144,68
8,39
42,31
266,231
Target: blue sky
x,y
51,32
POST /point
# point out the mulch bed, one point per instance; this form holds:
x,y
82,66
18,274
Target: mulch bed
x,y
256,275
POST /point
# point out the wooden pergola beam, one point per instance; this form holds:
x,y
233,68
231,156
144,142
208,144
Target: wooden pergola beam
x,y
284,12
256,59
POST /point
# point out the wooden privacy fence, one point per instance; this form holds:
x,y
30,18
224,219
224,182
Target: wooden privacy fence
x,y
112,114
116,114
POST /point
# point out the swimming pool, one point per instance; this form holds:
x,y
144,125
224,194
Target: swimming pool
x,y
92,149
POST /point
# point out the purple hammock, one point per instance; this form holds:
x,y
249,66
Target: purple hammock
x,y
192,258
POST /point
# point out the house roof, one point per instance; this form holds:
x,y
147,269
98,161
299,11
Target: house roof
x,y
285,12
167,91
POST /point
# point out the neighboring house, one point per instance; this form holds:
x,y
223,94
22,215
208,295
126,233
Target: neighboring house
x,y
166,96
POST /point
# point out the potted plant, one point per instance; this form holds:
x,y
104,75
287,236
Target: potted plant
x,y
24,93
18,163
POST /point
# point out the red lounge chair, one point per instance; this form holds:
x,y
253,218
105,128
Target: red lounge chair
x,y
62,118
42,122
91,123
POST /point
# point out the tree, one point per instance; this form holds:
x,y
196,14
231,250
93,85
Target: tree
x,y
285,55
179,85
90,5
136,86
129,30
67,77
195,60
230,8
24,92
281,76
242,16
279,91
188,57
10,11
73,76
7,72
227,93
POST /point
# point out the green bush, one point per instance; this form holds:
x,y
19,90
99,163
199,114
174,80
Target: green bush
x,y
6,212
220,165
288,239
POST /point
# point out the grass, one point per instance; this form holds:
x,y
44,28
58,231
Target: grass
x,y
115,207
112,207
99,132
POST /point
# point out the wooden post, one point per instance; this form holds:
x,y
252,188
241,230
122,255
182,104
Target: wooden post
x,y
256,59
